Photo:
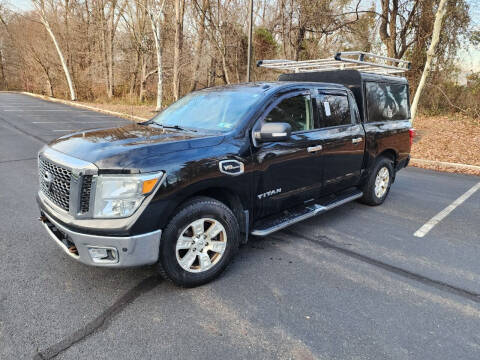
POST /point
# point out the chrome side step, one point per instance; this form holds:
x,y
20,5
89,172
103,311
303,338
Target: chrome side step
x,y
286,220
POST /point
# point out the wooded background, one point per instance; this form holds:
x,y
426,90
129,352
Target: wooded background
x,y
118,50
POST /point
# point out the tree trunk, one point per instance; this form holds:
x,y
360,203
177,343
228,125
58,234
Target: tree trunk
x,y
198,46
143,80
237,65
113,29
67,37
73,96
4,84
392,44
179,12
418,55
437,27
111,80
49,85
299,44
134,76
212,74
104,51
156,22
388,22
225,67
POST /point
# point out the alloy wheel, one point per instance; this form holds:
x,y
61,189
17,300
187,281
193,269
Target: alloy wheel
x,y
382,181
201,245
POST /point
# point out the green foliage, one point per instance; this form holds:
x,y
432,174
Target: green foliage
x,y
264,35
264,43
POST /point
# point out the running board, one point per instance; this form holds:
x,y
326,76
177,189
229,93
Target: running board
x,y
271,225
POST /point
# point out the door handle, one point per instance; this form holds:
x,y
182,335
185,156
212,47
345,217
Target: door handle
x,y
312,149
357,140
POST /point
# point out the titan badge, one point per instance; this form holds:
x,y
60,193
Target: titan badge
x,y
269,193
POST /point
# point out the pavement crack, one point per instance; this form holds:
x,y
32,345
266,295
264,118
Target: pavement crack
x,y
326,243
20,130
101,321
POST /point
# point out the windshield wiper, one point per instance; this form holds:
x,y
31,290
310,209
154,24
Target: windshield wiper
x,y
176,127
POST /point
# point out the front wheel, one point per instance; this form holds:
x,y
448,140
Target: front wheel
x,y
377,186
199,242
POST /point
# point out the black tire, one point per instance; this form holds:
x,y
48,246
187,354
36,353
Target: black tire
x,y
197,208
369,195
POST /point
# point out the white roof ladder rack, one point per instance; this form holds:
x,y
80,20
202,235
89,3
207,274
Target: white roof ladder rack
x,y
347,60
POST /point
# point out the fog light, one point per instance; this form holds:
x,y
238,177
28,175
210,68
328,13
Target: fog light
x,y
103,254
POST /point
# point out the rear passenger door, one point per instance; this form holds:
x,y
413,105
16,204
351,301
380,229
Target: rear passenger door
x,y
343,140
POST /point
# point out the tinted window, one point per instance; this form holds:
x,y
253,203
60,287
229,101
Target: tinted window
x,y
218,110
295,111
386,102
333,110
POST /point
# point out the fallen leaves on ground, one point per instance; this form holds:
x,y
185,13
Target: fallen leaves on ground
x,y
145,111
448,138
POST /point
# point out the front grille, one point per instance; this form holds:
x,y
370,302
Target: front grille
x,y
85,194
55,182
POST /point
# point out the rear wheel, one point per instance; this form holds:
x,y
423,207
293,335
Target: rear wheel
x,y
198,243
377,186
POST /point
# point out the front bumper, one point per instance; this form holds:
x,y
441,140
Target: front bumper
x,y
122,251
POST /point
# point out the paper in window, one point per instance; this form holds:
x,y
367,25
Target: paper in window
x,y
326,105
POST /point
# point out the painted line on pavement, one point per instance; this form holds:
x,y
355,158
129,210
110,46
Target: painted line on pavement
x,y
444,213
75,122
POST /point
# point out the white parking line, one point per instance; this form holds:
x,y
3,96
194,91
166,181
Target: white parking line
x,y
444,213
74,122
72,130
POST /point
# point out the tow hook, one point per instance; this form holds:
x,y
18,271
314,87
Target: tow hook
x,y
73,250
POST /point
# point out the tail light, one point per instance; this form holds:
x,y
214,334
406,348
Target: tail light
x,y
411,133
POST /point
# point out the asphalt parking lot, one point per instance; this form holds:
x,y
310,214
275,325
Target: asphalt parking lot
x,y
354,283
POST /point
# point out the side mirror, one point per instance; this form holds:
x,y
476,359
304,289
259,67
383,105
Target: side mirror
x,y
273,132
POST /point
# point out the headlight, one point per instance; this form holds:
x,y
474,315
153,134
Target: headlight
x,y
118,196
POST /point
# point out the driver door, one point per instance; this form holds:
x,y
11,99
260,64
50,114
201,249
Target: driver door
x,y
289,171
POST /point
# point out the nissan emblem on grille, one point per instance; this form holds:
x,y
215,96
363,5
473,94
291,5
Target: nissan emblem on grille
x,y
48,179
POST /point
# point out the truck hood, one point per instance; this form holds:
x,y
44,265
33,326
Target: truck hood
x,y
125,147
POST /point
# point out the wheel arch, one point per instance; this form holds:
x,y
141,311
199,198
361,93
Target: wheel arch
x,y
225,195
390,153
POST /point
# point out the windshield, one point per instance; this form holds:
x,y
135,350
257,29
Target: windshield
x,y
208,110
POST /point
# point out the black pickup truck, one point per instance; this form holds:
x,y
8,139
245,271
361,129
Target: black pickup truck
x,y
184,189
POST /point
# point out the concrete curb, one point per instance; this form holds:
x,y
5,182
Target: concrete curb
x,y
83,106
420,162
413,161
